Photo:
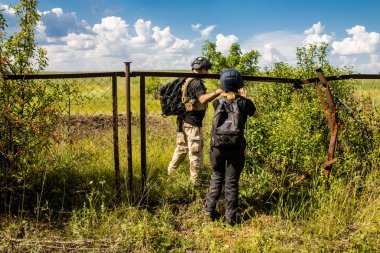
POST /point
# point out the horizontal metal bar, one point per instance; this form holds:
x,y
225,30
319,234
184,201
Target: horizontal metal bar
x,y
186,74
63,75
344,77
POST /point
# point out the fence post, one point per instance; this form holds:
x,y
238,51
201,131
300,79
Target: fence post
x,y
115,126
143,139
129,129
332,118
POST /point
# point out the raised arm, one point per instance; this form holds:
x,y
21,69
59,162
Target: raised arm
x,y
204,99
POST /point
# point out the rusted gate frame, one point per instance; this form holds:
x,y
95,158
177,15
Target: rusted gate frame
x,y
128,113
332,117
297,84
142,74
115,124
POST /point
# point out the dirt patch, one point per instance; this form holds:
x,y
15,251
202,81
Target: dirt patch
x,y
83,125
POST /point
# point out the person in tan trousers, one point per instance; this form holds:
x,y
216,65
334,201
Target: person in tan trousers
x,y
189,131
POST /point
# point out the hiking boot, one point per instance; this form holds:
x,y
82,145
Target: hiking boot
x,y
230,223
211,216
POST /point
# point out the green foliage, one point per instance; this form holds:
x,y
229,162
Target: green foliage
x,y
28,109
291,139
152,85
246,63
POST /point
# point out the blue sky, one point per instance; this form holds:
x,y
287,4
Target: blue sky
x,y
99,35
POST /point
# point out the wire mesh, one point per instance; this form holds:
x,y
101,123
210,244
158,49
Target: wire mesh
x,y
81,157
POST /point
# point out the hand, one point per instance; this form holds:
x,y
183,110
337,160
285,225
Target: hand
x,y
243,92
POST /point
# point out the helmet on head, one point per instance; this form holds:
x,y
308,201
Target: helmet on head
x,y
201,63
230,80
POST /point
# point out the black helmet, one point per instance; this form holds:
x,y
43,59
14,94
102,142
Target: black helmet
x,y
230,80
201,63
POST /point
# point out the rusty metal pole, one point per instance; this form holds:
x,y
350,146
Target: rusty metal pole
x,y
115,127
129,130
143,138
332,117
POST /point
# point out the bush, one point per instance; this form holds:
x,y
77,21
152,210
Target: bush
x,y
292,137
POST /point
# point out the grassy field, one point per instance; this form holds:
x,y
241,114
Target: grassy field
x,y
343,218
370,89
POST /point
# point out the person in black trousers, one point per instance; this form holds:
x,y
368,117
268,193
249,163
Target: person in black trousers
x,y
228,143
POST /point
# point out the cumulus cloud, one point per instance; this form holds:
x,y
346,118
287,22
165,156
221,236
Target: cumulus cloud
x,y
270,55
223,43
108,43
73,44
143,31
112,27
274,46
282,45
7,9
10,16
58,23
206,32
80,41
163,37
314,36
360,42
373,66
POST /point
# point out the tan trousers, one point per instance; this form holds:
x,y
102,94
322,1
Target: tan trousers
x,y
190,140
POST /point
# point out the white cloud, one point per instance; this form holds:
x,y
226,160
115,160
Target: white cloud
x,y
105,45
274,46
163,37
206,32
270,55
180,45
73,44
314,36
57,11
111,28
7,9
360,42
372,66
59,23
144,33
80,41
196,27
344,60
11,19
223,43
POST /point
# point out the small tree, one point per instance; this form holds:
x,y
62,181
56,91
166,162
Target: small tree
x,y
246,63
28,109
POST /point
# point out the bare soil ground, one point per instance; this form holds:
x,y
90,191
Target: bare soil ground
x,y
83,125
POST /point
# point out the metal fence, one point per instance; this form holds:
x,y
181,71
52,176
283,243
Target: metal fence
x,y
92,106
150,118
99,107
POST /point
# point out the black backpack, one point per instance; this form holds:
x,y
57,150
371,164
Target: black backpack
x,y
227,124
170,98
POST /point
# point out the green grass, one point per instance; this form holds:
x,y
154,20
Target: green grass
x,y
342,221
369,89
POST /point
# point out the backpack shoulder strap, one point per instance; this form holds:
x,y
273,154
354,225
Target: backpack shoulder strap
x,y
184,89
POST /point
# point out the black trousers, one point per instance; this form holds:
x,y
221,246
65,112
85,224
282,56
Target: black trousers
x,y
227,165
